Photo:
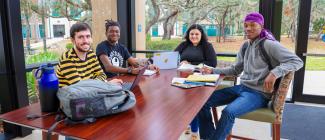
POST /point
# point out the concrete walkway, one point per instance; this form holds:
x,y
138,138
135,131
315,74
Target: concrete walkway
x,y
314,83
49,42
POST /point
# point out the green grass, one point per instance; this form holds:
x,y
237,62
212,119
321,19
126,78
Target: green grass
x,y
42,58
163,44
315,63
229,59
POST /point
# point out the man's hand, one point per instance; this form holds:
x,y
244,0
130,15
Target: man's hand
x,y
269,83
153,67
135,70
206,70
116,81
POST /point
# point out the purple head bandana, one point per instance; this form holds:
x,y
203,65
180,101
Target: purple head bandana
x,y
258,18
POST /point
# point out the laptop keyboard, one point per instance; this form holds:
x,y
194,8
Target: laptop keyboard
x,y
127,85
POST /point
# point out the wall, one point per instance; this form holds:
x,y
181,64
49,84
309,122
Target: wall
x,y
102,10
140,27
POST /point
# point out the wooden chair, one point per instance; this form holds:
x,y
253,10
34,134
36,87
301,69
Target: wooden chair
x,y
273,116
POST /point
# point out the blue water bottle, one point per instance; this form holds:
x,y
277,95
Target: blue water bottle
x,y
48,85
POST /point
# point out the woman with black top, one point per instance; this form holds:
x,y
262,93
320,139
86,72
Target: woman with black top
x,y
195,50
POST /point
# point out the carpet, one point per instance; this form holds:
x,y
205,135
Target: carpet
x,y
303,122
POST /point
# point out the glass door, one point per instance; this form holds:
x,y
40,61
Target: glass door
x,y
310,80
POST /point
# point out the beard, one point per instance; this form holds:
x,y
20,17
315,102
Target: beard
x,y
80,49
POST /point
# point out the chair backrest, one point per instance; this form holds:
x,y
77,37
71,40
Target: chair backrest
x,y
279,96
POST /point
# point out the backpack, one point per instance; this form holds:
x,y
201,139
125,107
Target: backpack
x,y
87,100
265,58
94,98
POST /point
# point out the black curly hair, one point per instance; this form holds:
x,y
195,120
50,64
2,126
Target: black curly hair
x,y
204,38
110,22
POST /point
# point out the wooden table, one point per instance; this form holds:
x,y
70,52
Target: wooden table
x,y
161,112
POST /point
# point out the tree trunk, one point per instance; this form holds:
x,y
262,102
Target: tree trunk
x,y
318,37
223,24
26,14
43,22
169,26
154,20
293,31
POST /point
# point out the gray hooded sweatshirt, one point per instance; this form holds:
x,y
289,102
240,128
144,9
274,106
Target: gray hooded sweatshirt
x,y
255,69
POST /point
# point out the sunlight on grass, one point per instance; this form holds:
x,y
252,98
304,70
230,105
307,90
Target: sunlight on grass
x,y
315,63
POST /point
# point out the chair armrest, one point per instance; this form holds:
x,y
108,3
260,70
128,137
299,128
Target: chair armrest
x,y
279,97
223,64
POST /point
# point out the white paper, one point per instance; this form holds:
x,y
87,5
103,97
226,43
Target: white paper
x,y
178,80
149,72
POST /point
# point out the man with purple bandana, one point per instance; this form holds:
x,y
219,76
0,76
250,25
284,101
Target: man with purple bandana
x,y
257,80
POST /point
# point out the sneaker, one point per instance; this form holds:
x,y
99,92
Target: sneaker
x,y
195,136
188,130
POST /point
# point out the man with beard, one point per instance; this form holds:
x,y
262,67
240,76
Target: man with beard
x,y
114,56
80,62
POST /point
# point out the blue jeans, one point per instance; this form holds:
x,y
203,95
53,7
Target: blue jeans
x,y
240,100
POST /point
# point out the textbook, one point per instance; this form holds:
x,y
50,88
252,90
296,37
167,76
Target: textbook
x,y
180,82
203,78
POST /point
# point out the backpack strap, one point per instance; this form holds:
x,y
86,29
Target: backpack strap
x,y
58,120
265,56
245,46
61,117
267,59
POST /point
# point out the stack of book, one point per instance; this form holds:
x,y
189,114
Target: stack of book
x,y
207,79
196,80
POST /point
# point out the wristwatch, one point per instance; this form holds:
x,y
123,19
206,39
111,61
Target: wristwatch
x,y
129,70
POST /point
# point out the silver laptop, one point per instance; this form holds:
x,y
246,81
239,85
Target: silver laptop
x,y
166,60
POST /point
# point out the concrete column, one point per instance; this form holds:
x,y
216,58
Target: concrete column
x,y
140,27
102,10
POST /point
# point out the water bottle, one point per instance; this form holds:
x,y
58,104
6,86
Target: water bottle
x,y
48,85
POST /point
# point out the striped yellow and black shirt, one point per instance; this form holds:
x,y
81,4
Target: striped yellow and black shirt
x,y
72,69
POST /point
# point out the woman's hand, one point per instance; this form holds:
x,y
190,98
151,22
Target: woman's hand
x,y
206,70
185,62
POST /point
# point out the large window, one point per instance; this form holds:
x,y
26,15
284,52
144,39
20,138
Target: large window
x,y
45,28
167,22
315,61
